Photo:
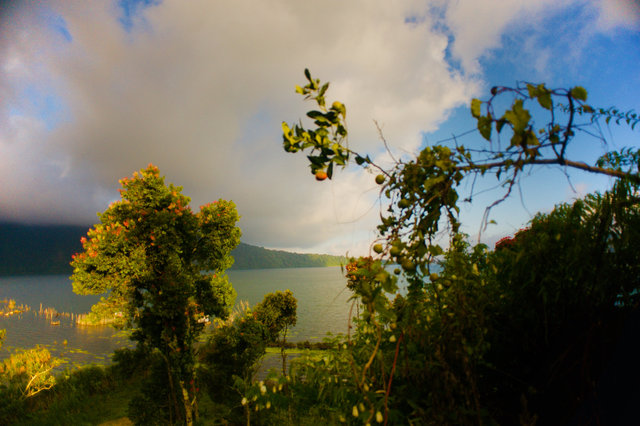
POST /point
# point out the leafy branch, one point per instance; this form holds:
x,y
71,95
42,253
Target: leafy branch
x,y
423,191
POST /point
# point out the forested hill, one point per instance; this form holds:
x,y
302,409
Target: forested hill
x,y
39,250
252,257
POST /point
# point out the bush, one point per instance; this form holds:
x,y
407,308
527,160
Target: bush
x,y
154,405
130,362
562,291
232,351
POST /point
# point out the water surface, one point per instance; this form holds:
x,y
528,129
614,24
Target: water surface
x,y
322,307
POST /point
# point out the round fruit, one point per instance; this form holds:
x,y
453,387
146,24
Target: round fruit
x,y
397,271
408,265
377,248
403,204
321,175
380,179
395,251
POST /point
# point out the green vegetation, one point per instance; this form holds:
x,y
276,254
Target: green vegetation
x,y
252,257
278,312
22,376
522,334
230,358
164,268
516,336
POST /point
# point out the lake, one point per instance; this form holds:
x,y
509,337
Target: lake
x,y
322,307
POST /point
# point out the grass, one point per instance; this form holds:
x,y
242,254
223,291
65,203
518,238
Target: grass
x,y
295,351
98,395
106,406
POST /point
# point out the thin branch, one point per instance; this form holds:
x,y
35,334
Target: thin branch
x,y
558,161
28,393
384,141
485,216
568,131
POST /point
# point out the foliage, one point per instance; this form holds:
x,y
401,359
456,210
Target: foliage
x,y
233,350
229,359
156,402
88,395
229,362
424,190
460,344
163,266
278,312
23,375
570,280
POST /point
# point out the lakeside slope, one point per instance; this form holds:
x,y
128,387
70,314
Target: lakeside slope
x,y
47,250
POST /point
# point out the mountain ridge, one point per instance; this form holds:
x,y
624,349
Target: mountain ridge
x,y
47,250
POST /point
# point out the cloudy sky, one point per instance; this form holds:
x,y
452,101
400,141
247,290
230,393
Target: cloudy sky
x,y
92,90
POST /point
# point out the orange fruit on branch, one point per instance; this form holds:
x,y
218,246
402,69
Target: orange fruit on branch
x,y
321,175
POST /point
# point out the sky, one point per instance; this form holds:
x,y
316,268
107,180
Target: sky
x,y
93,90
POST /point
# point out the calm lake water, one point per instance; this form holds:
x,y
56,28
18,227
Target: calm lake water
x,y
322,307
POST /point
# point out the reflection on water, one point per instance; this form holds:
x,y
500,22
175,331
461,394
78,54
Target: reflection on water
x,y
74,345
322,307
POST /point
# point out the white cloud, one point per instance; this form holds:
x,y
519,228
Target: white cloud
x,y
199,88
479,27
619,13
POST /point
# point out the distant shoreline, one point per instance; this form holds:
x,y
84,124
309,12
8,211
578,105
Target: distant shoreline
x,y
46,250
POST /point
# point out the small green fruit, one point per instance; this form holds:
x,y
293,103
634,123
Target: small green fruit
x,y
380,179
403,204
377,248
408,265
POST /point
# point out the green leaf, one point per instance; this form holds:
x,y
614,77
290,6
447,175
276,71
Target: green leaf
x,y
435,250
307,74
516,140
545,100
484,126
330,170
518,116
338,106
579,93
323,89
475,107
318,116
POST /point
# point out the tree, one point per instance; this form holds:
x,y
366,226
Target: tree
x,y
164,267
436,354
424,190
278,312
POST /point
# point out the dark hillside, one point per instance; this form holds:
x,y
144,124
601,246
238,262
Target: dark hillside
x,y
47,250
253,257
38,249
